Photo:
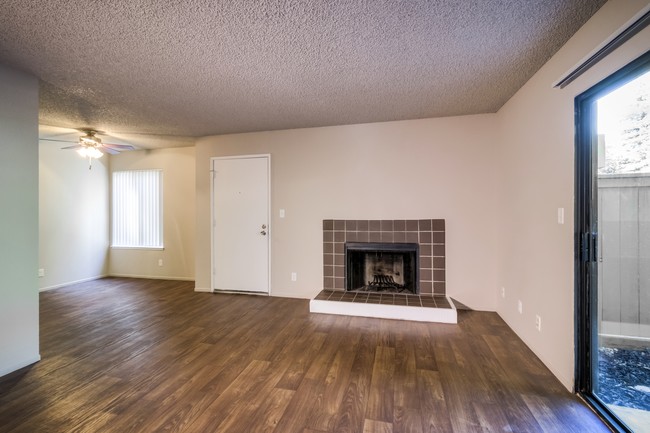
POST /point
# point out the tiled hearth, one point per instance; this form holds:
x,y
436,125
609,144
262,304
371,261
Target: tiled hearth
x,y
427,301
420,308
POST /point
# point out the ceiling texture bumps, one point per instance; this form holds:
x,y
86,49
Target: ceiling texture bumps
x,y
193,68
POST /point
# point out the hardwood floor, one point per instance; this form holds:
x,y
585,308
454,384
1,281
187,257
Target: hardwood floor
x,y
123,355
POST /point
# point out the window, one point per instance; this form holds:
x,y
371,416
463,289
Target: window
x,y
137,209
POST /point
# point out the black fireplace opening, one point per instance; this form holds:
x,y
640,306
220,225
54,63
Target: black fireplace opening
x,y
382,267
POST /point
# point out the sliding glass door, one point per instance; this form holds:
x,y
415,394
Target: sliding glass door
x,y
613,246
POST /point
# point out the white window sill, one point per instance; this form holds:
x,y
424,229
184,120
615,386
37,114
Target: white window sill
x,y
137,248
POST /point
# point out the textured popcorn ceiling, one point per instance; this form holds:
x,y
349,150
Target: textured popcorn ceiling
x,y
202,67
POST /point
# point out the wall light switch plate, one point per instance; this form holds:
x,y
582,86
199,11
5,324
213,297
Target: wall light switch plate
x,y
538,323
41,272
520,307
294,276
160,262
281,213
503,292
560,215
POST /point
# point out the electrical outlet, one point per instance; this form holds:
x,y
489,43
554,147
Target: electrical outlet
x,y
538,323
520,307
41,272
294,276
503,292
160,262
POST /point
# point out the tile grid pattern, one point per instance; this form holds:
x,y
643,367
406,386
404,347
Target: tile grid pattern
x,y
429,234
409,300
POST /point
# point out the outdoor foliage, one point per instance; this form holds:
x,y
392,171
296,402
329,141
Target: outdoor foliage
x,y
627,139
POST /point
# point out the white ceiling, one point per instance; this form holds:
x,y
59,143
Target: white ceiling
x,y
201,67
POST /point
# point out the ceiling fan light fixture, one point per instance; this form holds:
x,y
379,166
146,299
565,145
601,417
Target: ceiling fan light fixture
x,y
90,146
90,140
90,152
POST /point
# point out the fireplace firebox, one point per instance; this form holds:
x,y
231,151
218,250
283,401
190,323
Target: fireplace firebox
x,y
382,267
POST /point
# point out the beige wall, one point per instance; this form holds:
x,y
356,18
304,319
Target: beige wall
x,y
432,168
18,220
73,223
537,167
178,216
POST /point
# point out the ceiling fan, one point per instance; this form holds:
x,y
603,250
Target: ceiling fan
x,y
91,146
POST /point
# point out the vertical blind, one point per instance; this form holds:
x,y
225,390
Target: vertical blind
x,y
137,209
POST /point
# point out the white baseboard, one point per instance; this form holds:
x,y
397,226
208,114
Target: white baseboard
x,y
293,295
152,277
148,277
83,280
11,369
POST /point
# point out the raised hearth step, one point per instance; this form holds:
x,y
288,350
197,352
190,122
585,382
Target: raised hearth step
x,y
420,308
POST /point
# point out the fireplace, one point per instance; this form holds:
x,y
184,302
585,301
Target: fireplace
x,y
381,267
428,234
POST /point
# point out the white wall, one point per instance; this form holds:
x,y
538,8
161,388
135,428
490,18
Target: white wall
x,y
18,220
432,168
537,167
178,216
73,223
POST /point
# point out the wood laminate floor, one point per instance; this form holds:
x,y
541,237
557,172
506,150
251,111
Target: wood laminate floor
x,y
125,355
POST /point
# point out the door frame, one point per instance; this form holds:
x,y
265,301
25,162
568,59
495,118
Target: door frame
x,y
269,232
586,234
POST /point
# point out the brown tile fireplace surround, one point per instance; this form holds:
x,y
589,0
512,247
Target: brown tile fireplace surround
x,y
429,234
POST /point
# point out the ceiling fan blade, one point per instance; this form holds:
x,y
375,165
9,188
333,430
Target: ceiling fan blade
x,y
111,151
118,146
76,146
60,141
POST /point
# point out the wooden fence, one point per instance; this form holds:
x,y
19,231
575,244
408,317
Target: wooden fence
x,y
624,254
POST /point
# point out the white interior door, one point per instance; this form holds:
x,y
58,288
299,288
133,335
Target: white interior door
x,y
240,253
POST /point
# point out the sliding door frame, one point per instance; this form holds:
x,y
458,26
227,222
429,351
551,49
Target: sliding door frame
x,y
586,234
